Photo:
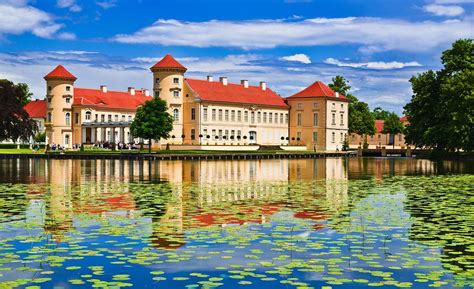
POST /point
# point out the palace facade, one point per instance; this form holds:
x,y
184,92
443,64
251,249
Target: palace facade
x,y
205,112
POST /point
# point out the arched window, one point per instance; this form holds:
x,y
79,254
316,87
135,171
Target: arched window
x,y
68,118
176,114
88,115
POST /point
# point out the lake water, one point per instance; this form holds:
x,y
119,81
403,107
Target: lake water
x,y
306,223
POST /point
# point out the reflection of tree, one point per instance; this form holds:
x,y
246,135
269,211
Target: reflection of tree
x,y
158,203
441,216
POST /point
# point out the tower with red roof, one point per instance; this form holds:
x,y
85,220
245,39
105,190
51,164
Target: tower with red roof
x,y
59,100
168,84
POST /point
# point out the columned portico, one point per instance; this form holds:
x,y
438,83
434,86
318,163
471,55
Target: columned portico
x,y
113,132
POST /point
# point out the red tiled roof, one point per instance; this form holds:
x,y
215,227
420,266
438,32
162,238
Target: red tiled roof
x,y
404,118
109,99
379,125
317,89
168,62
234,93
60,73
36,108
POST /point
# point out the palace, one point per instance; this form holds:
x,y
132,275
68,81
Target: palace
x,y
206,112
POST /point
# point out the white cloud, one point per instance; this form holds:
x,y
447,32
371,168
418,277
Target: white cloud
x,y
453,1
376,33
70,4
373,64
16,18
444,10
303,58
106,4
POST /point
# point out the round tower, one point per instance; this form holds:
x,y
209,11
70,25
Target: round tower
x,y
60,96
168,84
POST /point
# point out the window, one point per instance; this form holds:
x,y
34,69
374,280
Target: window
x,y
204,114
342,136
49,99
193,113
239,133
270,117
315,104
220,134
176,80
379,136
276,117
239,116
88,115
176,114
68,88
333,105
259,117
76,116
49,117
157,93
129,118
176,93
102,118
333,118
333,137
226,134
213,133
204,132
123,117
213,114
342,105
300,105
193,133
246,116
68,100
286,118
342,119
68,118
264,117
157,80
220,114
66,139
109,118
281,117
232,134
298,135
252,117
315,119
232,115
315,136
116,118
300,119
49,88
226,115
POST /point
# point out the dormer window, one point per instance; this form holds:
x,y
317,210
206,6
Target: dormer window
x,y
176,80
68,88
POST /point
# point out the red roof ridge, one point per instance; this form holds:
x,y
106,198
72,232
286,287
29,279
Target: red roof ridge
x,y
60,72
317,89
168,61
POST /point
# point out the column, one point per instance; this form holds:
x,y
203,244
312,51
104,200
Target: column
x,y
122,134
84,135
93,135
103,135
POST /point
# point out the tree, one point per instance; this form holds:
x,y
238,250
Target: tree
x,y
380,113
441,110
40,137
15,122
393,125
152,121
361,120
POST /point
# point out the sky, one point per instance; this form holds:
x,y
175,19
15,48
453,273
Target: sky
x,y
375,44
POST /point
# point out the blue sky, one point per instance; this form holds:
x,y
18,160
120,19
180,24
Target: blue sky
x,y
376,45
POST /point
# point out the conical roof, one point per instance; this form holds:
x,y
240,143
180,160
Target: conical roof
x,y
60,73
168,62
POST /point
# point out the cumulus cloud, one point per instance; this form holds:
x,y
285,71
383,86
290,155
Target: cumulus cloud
x,y
39,23
444,10
373,64
376,33
303,58
70,4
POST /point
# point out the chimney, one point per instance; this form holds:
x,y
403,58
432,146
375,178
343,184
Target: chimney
x,y
223,80
210,78
263,85
245,83
146,92
131,90
103,88
337,94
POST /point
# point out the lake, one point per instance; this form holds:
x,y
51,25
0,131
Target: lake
x,y
305,223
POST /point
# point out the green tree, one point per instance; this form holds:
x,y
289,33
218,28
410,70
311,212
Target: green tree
x,y
152,121
361,120
15,122
380,113
40,137
393,125
441,110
